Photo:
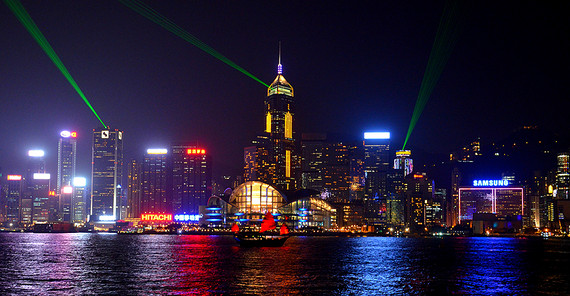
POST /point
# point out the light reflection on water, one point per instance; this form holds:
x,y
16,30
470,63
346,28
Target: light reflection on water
x,y
95,264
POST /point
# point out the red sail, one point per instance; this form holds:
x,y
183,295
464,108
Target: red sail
x,y
235,228
283,230
268,222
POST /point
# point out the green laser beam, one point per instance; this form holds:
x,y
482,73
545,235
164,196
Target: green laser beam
x,y
20,12
445,39
167,24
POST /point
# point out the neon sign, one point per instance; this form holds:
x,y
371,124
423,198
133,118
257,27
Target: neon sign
x,y
156,217
79,182
186,218
41,176
376,135
157,151
494,183
196,151
36,153
403,153
67,134
67,190
14,177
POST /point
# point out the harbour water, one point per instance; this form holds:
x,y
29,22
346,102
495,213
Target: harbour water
x,y
111,264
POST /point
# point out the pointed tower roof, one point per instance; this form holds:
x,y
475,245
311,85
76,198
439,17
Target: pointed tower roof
x,y
280,85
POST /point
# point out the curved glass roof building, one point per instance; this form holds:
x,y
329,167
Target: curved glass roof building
x,y
248,203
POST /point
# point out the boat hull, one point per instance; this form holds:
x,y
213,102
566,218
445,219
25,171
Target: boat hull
x,y
260,240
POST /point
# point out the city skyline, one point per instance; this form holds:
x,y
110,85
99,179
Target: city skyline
x,y
354,69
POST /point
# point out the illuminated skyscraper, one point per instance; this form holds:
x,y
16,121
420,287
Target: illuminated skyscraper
x,y
107,174
376,166
12,191
155,189
191,179
78,202
282,161
490,196
35,202
563,176
312,161
419,193
134,189
66,159
250,164
453,204
404,162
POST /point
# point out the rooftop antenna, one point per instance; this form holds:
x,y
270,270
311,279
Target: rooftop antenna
x,y
279,67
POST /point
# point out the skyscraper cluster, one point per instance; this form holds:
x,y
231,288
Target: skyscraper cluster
x,y
34,195
361,183
176,181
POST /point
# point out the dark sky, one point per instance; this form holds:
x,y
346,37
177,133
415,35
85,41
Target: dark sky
x,y
355,66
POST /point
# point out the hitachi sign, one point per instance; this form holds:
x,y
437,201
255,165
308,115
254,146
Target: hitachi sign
x,y
491,183
156,217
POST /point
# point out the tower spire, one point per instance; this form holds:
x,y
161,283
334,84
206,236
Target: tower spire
x,y
279,67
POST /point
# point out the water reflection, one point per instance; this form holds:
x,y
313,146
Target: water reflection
x,y
95,264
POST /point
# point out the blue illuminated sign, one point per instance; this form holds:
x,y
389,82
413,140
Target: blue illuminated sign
x,y
186,218
491,183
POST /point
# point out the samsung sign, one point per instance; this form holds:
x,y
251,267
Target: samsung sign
x,y
494,183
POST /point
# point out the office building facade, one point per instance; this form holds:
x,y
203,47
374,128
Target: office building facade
x,y
107,174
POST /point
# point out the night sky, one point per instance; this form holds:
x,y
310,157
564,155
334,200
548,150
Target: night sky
x,y
355,66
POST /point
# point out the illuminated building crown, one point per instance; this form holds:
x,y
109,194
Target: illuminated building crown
x,y
280,85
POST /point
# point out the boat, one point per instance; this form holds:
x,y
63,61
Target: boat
x,y
267,236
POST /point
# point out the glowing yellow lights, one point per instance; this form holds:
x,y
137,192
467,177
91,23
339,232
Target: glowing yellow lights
x,y
287,163
288,125
268,122
157,151
256,197
404,153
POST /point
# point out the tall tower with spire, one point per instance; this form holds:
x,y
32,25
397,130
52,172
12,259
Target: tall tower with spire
x,y
279,111
275,155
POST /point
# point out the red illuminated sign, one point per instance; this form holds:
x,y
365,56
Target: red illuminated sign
x,y
418,176
14,177
156,217
196,151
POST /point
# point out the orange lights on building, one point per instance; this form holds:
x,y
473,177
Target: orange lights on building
x,y
51,193
156,217
195,151
418,176
14,177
